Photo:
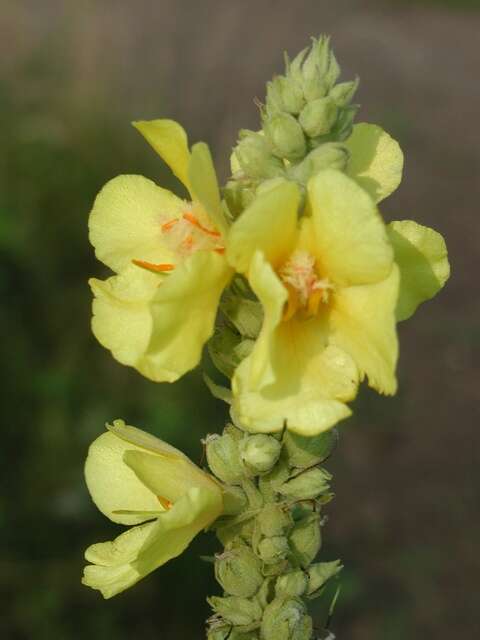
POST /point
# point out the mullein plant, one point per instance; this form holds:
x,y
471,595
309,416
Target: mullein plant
x,y
295,283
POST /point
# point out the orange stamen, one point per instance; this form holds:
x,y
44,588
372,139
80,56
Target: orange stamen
x,y
193,220
168,225
156,268
220,250
166,504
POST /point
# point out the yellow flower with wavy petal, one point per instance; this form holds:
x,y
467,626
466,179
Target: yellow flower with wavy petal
x,y
168,254
329,286
136,479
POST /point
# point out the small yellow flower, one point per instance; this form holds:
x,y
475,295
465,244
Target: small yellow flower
x,y
136,479
168,254
329,286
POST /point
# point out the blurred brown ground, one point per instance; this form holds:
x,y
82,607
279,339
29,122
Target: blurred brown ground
x,y
405,520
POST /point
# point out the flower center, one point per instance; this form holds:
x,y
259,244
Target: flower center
x,y
306,291
186,235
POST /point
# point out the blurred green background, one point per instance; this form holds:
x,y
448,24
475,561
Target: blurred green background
x,y
72,76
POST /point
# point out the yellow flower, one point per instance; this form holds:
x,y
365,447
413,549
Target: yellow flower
x,y
168,254
136,479
329,288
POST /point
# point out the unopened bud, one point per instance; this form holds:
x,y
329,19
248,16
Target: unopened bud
x,y
318,117
238,570
234,500
260,452
343,93
304,451
274,549
285,136
307,485
273,520
305,539
224,458
284,94
286,619
330,155
225,632
255,158
291,584
319,573
235,610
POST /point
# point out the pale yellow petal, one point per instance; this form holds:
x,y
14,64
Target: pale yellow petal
x,y
376,160
169,140
122,320
290,374
421,254
166,476
351,243
126,221
138,552
183,312
363,324
204,185
112,484
144,440
269,225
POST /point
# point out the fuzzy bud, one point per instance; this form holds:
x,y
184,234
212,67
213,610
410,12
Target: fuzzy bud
x,y
226,632
330,155
234,500
236,611
238,570
260,452
319,573
285,136
224,458
291,584
343,93
307,485
273,520
286,619
318,117
305,539
303,451
272,550
255,158
284,94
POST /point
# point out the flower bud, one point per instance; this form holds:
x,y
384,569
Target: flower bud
x,y
273,549
330,155
284,94
236,611
286,619
319,573
225,632
269,483
285,136
343,93
238,570
318,117
307,485
246,315
224,458
255,158
273,520
304,451
234,500
291,584
305,539
260,452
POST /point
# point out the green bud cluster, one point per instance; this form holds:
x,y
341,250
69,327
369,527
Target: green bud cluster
x,y
306,118
274,491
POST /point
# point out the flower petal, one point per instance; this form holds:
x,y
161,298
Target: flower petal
x,y
144,440
204,185
139,551
422,256
121,320
126,219
290,375
363,324
113,485
269,225
351,243
183,310
170,141
167,476
376,160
